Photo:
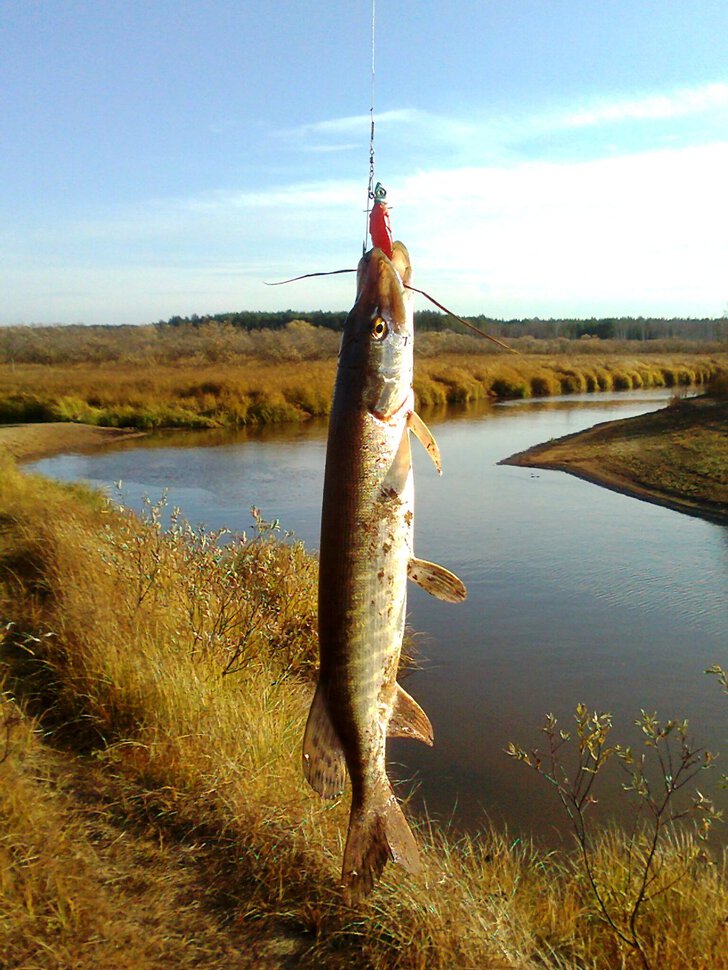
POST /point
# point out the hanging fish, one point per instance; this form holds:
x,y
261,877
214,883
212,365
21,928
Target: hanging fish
x,y
366,557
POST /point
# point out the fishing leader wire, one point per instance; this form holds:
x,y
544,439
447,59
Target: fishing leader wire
x,y
370,187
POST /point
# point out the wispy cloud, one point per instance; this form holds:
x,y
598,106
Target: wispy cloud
x,y
678,103
565,129
354,124
332,149
400,122
490,231
321,194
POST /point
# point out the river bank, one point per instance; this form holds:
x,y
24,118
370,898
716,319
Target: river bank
x,y
154,812
29,442
676,457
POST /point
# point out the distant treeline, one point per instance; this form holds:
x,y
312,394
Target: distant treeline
x,y
605,328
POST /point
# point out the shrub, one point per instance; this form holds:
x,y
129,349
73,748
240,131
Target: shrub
x,y
718,386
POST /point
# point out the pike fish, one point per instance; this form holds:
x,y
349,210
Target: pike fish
x,y
366,557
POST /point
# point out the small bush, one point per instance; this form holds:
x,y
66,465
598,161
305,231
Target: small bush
x,y
544,385
509,387
572,382
718,386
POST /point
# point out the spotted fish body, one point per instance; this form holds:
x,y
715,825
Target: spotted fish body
x,y
366,556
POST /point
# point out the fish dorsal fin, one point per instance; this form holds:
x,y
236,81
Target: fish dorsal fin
x,y
408,720
423,434
323,758
436,580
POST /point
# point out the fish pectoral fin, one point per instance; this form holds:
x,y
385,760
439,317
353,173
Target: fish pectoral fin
x,y
408,720
323,758
436,580
423,434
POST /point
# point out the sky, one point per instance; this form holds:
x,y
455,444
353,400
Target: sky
x,y
542,158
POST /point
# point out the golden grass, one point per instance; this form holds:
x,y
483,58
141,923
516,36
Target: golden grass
x,y
113,669
248,390
166,395
450,378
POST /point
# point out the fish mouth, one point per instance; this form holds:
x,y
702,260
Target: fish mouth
x,y
381,283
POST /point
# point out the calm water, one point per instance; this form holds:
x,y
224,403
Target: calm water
x,y
576,593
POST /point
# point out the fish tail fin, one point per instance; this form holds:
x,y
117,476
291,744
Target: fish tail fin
x,y
377,833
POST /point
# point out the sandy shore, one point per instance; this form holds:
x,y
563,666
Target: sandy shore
x,y
597,455
28,442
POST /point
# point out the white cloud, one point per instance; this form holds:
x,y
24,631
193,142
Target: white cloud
x,y
628,234
490,135
636,234
356,124
642,233
306,195
324,149
674,104
410,124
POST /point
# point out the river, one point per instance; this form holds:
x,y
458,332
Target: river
x,y
576,593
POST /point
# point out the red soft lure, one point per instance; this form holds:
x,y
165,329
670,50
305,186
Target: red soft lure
x,y
379,227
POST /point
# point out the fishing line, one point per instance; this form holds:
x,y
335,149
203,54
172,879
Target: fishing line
x,y
370,187
331,272
371,197
407,286
465,323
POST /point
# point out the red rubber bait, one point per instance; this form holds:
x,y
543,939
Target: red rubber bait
x,y
379,227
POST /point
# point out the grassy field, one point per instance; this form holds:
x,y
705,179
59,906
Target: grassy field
x,y
677,456
153,810
216,376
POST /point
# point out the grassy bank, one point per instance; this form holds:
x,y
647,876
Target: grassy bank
x,y
255,392
154,811
216,375
676,457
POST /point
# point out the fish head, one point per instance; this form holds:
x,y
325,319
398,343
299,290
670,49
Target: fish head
x,y
379,331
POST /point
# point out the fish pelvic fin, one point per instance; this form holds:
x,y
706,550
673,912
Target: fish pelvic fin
x,y
408,720
436,580
377,833
324,766
425,437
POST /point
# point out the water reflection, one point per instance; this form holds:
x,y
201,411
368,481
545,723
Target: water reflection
x,y
576,593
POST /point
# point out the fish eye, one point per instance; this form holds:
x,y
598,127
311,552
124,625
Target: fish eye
x,y
379,329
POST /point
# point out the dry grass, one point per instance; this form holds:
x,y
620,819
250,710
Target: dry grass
x,y
215,376
218,342
118,720
185,395
83,886
449,378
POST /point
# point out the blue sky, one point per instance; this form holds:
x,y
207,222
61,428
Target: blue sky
x,y
552,158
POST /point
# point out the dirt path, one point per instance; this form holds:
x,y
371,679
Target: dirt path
x,y
28,442
676,457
